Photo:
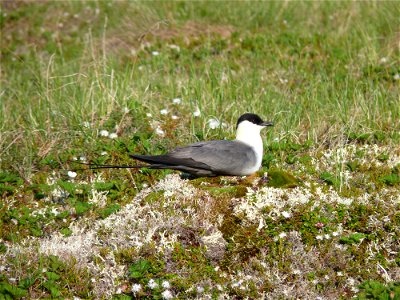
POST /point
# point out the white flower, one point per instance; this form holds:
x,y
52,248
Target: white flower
x,y
319,237
86,124
126,110
286,214
113,136
83,158
152,284
148,115
282,235
383,60
213,123
396,77
165,284
175,117
197,112
174,47
136,288
335,233
200,289
164,111
72,174
340,274
104,133
177,101
155,53
167,294
327,236
75,158
103,153
159,131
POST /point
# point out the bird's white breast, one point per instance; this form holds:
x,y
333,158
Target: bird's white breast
x,y
249,133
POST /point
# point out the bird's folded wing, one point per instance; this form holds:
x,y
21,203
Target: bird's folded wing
x,y
222,156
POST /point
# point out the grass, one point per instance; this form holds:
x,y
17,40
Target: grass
x,y
323,222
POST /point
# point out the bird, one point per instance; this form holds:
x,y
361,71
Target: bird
x,y
239,157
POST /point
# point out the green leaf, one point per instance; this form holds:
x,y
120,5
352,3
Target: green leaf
x,y
11,290
52,276
104,213
328,178
391,179
139,269
82,207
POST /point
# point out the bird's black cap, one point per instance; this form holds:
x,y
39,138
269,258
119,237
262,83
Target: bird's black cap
x,y
253,118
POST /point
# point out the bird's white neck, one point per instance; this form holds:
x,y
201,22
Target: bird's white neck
x,y
249,133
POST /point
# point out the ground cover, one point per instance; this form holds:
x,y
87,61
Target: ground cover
x,y
95,81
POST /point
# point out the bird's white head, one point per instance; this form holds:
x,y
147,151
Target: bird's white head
x,y
248,129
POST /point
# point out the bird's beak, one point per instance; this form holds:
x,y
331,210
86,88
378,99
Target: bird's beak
x,y
265,124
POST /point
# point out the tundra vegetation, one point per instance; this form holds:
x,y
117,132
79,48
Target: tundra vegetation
x,y
94,81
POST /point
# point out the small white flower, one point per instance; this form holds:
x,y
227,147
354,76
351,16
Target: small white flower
x,y
296,272
118,291
155,53
315,281
335,233
164,111
167,294
327,236
319,237
93,279
286,214
326,277
12,279
282,235
159,131
72,174
44,270
213,123
383,60
177,101
86,124
113,136
340,274
83,158
197,112
104,133
126,110
350,281
148,115
165,284
175,47
136,288
175,117
200,289
103,153
396,77
152,284
74,158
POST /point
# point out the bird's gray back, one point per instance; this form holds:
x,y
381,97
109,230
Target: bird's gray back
x,y
222,157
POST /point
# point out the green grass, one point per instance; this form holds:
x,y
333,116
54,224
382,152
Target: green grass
x,y
326,73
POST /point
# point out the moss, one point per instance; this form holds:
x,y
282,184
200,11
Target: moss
x,y
281,179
